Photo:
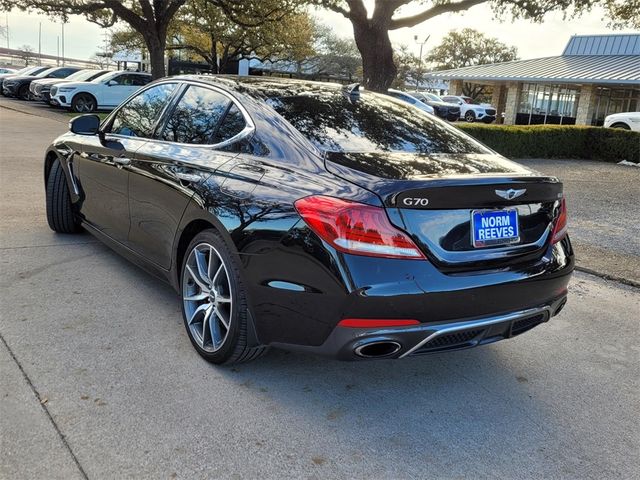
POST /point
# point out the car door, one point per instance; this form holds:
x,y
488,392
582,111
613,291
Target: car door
x,y
192,143
104,164
120,87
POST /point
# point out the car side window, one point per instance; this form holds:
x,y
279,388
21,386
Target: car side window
x,y
231,126
137,117
118,80
140,80
196,116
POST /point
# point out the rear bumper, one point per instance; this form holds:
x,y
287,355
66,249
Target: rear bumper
x,y
399,342
299,299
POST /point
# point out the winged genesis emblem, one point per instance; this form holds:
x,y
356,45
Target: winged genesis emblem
x,y
511,193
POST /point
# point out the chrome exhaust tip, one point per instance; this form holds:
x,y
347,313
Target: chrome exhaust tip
x,y
378,349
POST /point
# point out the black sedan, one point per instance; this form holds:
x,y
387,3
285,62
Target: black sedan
x,y
18,85
314,217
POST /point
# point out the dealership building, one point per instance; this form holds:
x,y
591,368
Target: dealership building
x,y
595,76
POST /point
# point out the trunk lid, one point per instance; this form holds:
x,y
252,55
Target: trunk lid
x,y
433,197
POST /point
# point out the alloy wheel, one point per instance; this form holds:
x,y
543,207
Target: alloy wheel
x,y
84,105
207,297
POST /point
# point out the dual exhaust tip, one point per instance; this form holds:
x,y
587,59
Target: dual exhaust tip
x,y
378,349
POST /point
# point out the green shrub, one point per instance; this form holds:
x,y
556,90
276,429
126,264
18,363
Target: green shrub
x,y
558,141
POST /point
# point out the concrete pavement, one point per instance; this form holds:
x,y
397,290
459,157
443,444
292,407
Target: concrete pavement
x,y
126,395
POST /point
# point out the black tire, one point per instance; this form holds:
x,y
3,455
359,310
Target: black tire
x,y
621,125
84,103
470,116
23,92
60,215
236,348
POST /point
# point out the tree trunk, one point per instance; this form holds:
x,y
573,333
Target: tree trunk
x,y
156,47
374,45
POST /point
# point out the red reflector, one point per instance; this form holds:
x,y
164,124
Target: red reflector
x,y
357,228
560,228
375,322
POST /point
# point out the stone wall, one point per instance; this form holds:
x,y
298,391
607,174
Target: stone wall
x,y
586,105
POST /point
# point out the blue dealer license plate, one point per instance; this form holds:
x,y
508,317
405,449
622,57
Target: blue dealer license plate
x,y
494,227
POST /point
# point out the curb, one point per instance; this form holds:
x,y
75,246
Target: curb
x,y
606,276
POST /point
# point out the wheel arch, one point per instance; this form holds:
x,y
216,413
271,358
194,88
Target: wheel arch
x,y
620,124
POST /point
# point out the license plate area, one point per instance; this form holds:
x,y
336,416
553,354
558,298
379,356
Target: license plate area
x,y
494,227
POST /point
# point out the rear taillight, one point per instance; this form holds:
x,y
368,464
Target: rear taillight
x,y
560,227
353,227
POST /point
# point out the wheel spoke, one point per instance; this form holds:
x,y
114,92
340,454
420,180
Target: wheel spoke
x,y
196,278
206,326
213,261
198,311
215,277
223,320
222,299
202,266
197,297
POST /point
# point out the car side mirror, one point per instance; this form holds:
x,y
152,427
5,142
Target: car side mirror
x,y
110,83
85,124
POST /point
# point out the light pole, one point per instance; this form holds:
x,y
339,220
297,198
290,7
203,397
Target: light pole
x,y
415,38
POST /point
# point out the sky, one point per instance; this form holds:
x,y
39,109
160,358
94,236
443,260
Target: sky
x,y
83,39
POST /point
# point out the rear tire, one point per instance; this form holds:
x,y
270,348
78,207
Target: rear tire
x,y
84,103
60,214
214,302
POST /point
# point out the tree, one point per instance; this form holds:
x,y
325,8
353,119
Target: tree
x,y
26,54
371,31
408,65
470,47
150,19
269,31
332,56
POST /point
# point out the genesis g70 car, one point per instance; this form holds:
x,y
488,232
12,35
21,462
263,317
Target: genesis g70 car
x,y
314,217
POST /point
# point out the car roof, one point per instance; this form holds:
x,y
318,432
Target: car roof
x,y
265,87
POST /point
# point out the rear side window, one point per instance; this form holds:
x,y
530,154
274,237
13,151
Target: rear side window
x,y
137,117
196,117
231,126
370,123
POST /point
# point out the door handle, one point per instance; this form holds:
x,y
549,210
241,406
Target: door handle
x,y
122,160
188,177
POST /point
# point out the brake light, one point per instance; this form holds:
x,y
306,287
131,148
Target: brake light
x,y
357,228
560,227
376,322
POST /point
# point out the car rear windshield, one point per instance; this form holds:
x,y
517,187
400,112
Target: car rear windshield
x,y
369,123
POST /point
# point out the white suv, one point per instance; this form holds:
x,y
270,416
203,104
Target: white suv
x,y
103,93
470,110
626,120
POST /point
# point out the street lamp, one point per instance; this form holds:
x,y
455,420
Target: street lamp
x,y
415,38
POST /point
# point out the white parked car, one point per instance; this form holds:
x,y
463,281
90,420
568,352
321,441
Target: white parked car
x,y
626,120
410,99
472,111
8,70
103,93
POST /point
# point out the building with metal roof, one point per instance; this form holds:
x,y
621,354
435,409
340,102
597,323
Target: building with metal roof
x,y
596,75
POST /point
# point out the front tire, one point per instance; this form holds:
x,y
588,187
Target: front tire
x,y
470,116
23,92
84,103
60,214
214,302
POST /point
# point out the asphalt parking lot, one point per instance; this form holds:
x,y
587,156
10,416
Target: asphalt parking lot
x,y
99,380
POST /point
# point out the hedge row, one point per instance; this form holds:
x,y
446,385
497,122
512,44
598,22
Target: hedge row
x,y
558,141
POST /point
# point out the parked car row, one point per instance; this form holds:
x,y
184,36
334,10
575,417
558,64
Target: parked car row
x,y
73,88
450,107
